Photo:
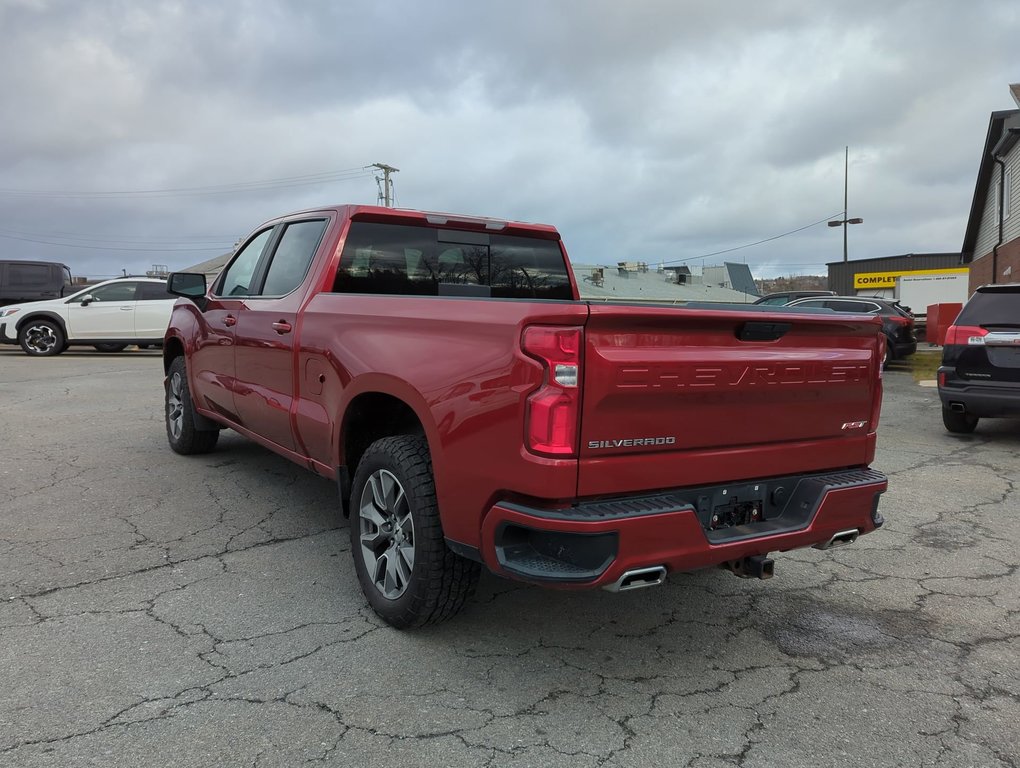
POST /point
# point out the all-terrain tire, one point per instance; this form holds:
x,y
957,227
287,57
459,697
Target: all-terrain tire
x,y
408,574
184,437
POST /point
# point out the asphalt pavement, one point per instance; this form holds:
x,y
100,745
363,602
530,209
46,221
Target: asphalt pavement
x,y
198,611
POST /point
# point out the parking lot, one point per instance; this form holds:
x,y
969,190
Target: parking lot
x,y
165,610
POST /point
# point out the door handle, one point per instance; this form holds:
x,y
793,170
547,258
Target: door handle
x,y
127,309
229,320
281,327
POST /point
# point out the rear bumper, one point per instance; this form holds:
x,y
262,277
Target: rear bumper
x,y
904,348
980,399
593,544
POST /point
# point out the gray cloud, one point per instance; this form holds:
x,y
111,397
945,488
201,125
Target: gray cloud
x,y
654,129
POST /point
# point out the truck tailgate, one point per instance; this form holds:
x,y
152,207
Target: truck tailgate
x,y
677,396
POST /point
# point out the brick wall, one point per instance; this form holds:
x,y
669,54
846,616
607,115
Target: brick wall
x,y
981,269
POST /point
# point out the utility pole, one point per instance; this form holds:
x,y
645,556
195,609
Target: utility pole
x,y
386,190
845,221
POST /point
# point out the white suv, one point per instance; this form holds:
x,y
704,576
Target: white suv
x,y
107,316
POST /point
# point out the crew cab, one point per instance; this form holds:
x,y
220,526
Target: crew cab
x,y
474,412
108,316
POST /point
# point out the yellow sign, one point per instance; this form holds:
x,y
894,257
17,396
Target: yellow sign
x,y
888,279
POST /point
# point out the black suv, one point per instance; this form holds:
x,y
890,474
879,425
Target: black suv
x,y
897,323
980,372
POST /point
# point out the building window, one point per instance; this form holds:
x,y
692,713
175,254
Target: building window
x,y
1004,186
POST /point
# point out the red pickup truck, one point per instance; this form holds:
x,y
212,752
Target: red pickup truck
x,y
474,411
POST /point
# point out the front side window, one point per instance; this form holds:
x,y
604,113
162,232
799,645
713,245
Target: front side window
x,y
418,260
237,281
114,292
293,255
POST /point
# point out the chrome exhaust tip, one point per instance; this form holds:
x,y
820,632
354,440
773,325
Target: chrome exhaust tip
x,y
840,539
638,578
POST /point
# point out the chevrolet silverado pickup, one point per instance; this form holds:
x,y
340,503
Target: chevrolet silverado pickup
x,y
473,411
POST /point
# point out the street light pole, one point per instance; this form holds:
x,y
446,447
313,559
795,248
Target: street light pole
x,y
845,221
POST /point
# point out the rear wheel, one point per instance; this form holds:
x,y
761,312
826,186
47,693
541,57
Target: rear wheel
x,y
409,575
110,347
184,437
41,338
957,422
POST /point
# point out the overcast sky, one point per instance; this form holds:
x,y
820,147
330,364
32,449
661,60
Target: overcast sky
x,y
644,130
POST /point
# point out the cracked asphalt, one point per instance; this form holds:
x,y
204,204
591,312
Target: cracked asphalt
x,y
157,609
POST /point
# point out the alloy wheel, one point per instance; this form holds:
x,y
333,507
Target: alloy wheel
x,y
387,534
40,339
175,405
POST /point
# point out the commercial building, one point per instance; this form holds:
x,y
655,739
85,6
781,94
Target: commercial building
x,y
879,276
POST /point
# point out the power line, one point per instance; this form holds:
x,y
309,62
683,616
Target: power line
x,y
749,245
181,240
282,182
225,247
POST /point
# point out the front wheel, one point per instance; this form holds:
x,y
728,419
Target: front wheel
x,y
41,338
409,575
957,422
184,437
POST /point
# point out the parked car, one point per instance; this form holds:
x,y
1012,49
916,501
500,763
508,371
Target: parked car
x,y
980,372
442,370
785,297
897,322
108,316
23,281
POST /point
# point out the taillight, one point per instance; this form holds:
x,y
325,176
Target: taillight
x,y
965,334
553,410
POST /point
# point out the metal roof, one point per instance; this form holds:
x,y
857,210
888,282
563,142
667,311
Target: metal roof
x,y
648,286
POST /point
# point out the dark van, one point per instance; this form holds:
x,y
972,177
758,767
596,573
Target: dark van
x,y
22,281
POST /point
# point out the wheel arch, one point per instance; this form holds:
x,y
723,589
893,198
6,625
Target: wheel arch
x,y
173,348
369,416
43,314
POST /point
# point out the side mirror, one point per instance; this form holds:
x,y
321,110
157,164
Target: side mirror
x,y
189,285
87,299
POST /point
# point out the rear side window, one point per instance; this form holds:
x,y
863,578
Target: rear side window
x,y
28,275
863,307
153,292
425,261
992,308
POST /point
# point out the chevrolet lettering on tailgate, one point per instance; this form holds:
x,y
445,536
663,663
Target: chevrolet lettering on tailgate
x,y
739,375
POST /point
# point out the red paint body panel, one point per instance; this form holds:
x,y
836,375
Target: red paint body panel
x,y
717,408
705,406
